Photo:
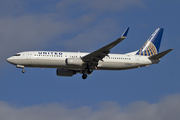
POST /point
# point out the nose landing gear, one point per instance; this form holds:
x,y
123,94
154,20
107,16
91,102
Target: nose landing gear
x,y
22,67
23,71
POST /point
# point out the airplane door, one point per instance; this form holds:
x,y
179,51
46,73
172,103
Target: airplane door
x,y
137,59
28,56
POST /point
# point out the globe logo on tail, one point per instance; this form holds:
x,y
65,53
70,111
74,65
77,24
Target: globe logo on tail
x,y
151,47
148,49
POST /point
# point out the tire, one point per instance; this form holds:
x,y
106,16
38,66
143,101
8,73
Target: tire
x,y
23,71
84,76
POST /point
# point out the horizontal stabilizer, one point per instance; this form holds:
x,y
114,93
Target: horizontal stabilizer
x,y
160,55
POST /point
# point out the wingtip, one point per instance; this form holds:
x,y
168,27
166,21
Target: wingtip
x,y
125,32
170,49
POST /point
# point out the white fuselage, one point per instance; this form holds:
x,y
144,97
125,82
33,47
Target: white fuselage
x,y
55,59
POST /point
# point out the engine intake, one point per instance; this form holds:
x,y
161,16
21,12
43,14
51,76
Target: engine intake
x,y
74,62
65,72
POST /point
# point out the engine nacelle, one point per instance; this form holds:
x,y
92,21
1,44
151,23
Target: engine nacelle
x,y
65,72
74,62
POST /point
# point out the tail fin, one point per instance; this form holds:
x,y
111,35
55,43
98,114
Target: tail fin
x,y
151,47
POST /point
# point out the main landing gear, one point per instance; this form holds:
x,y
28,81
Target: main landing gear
x,y
84,76
89,71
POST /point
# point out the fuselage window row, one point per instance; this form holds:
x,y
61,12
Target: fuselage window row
x,y
77,57
120,58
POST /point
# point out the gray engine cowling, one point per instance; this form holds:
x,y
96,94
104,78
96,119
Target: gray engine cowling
x,y
74,62
65,72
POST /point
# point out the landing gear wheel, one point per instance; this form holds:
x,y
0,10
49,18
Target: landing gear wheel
x,y
23,71
84,76
90,70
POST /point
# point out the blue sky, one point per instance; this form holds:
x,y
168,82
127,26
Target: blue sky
x,y
76,25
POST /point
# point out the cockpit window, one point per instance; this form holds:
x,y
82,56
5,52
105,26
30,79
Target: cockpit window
x,y
17,54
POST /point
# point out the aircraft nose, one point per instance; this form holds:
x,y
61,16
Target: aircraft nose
x,y
9,60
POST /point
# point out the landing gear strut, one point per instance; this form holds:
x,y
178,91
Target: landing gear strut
x,y
84,76
90,70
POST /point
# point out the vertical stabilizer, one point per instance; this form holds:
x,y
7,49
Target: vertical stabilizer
x,y
151,47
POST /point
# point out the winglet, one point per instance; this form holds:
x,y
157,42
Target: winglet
x,y
125,32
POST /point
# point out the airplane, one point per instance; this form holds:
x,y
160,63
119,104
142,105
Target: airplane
x,y
71,63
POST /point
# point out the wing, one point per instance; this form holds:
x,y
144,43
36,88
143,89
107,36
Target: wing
x,y
99,54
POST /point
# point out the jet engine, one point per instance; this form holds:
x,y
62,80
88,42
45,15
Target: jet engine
x,y
74,62
65,72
